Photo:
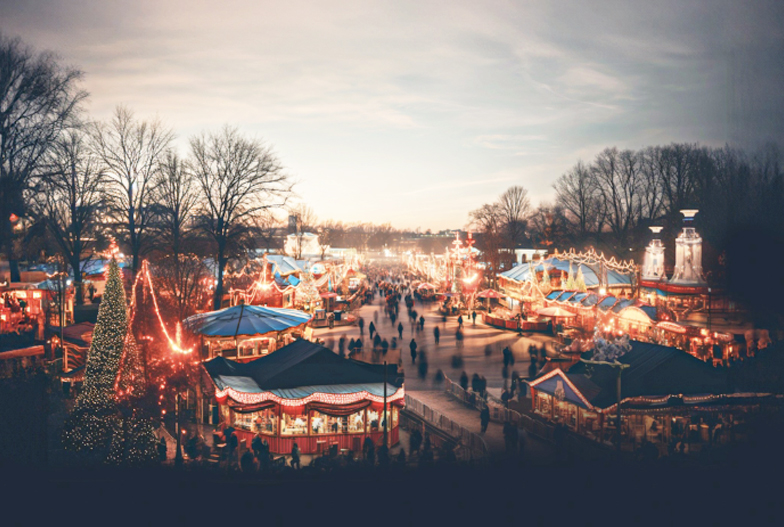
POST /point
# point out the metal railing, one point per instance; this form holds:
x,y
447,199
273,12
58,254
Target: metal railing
x,y
473,442
498,410
584,447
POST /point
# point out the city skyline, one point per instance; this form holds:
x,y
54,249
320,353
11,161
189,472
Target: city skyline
x,y
415,114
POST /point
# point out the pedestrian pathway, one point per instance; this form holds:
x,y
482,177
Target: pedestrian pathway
x,y
537,451
466,417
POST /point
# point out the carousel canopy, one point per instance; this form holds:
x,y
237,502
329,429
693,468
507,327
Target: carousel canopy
x,y
521,273
300,370
427,286
245,320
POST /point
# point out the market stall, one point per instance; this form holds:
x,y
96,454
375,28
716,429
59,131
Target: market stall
x,y
306,393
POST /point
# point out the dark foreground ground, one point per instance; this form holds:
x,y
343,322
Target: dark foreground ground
x,y
745,492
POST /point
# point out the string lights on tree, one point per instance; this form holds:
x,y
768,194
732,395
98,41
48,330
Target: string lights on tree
x,y
94,419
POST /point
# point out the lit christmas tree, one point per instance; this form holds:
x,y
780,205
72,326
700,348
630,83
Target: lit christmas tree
x,y
133,442
579,281
569,284
545,284
89,428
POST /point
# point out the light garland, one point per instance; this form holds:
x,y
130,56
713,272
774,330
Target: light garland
x,y
327,398
560,373
591,257
144,274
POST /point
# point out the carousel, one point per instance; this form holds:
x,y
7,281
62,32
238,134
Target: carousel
x,y
306,393
244,332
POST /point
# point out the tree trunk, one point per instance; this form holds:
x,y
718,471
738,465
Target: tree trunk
x,y
219,286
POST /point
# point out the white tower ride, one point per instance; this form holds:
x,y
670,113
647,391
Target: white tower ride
x,y
653,264
688,254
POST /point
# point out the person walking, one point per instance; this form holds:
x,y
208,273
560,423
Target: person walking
x,y
484,418
400,329
342,344
464,380
436,333
295,456
422,322
372,329
473,316
162,449
460,321
413,347
361,324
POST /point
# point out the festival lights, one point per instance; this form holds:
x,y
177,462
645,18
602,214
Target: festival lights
x,y
327,398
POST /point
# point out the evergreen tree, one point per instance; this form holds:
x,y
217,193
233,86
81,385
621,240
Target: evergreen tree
x,y
569,282
89,428
133,442
545,279
579,281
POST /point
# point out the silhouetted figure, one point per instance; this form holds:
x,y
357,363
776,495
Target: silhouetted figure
x,y
413,347
361,324
473,316
371,329
162,449
295,456
484,418
400,329
464,381
436,333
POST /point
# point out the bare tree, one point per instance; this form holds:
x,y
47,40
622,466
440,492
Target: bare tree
x,y
618,176
181,277
515,207
265,228
132,152
489,221
306,222
38,96
69,197
548,226
578,193
238,178
175,197
651,195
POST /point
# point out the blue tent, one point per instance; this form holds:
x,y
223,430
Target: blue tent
x,y
245,320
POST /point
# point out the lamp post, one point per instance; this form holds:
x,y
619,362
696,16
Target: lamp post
x,y
386,435
178,452
621,367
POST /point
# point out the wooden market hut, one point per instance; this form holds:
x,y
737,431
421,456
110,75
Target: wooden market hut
x,y
306,393
666,395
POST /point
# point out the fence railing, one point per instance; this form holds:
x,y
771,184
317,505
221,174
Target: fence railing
x,y
498,410
471,441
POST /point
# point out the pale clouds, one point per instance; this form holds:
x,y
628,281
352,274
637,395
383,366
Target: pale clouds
x,y
417,112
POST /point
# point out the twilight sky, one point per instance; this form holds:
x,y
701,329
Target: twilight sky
x,y
417,112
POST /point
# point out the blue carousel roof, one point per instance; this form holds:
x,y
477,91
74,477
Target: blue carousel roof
x,y
245,320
